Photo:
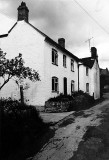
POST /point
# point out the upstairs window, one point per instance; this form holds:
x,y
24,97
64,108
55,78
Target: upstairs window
x,y
87,87
72,65
64,61
54,57
72,86
55,84
87,71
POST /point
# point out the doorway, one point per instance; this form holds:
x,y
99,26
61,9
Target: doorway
x,y
65,86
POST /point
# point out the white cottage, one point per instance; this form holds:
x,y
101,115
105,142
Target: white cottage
x,y
60,71
89,74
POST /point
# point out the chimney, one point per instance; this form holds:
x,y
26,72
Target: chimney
x,y
61,42
94,53
23,12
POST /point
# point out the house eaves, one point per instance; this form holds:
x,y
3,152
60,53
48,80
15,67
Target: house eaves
x,y
88,61
49,40
3,35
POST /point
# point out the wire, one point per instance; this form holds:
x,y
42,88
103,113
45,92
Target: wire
x,y
7,15
91,16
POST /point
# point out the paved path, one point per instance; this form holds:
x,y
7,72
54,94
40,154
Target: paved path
x,y
69,133
54,117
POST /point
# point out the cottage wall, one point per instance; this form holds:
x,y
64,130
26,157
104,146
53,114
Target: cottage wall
x,y
83,78
59,71
37,54
95,80
26,40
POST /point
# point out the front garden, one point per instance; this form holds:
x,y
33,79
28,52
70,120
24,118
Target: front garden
x,y
65,103
23,132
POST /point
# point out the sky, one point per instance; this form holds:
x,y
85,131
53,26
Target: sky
x,y
75,20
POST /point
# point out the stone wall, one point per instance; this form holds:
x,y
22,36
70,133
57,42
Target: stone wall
x,y
57,106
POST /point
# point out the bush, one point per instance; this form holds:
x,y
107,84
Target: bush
x,y
21,125
60,98
75,102
81,101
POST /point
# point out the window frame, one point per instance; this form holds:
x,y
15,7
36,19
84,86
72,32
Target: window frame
x,y
72,86
72,65
87,71
87,87
54,57
55,86
64,61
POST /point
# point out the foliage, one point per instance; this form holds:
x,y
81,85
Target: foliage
x,y
81,101
60,98
21,126
14,68
77,101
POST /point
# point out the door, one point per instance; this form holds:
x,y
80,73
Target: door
x,y
65,86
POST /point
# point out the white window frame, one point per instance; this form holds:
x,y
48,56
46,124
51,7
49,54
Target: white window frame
x,y
54,57
55,84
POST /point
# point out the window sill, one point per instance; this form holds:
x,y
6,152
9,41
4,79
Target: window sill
x,y
55,92
55,64
65,66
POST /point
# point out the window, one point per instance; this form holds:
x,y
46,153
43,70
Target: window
x,y
72,86
87,71
64,61
72,65
54,57
87,87
55,84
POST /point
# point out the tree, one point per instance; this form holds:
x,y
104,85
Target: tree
x,y
14,68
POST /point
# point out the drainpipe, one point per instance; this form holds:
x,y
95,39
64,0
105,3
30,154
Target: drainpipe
x,y
78,77
78,74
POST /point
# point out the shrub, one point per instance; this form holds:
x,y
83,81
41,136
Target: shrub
x,y
81,101
21,125
76,101
60,98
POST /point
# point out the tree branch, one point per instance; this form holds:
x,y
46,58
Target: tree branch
x,y
6,81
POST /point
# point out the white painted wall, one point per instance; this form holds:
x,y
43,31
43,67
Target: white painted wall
x,y
26,40
37,54
83,79
93,79
59,71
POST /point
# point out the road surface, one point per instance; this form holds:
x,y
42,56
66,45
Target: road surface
x,y
70,131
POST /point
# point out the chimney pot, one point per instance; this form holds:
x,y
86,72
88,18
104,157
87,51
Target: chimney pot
x,y
94,53
23,12
61,42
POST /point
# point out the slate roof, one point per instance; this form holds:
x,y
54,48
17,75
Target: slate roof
x,y
47,39
88,61
104,71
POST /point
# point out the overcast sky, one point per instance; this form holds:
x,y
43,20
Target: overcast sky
x,y
67,19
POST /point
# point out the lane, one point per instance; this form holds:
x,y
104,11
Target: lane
x,y
69,133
